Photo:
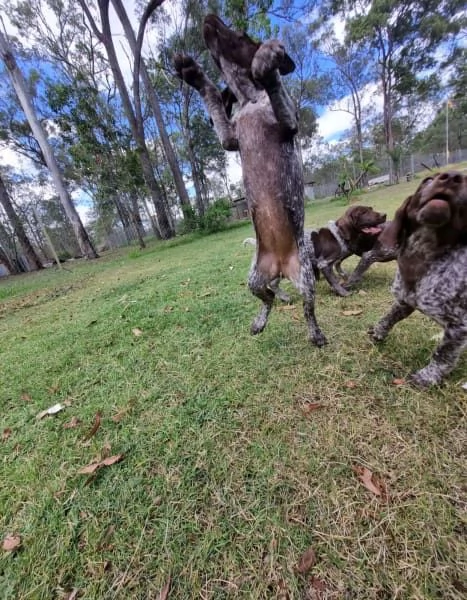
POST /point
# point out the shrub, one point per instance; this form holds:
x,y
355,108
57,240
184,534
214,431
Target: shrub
x,y
216,216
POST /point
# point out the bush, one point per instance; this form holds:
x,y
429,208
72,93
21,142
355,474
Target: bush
x,y
216,217
190,221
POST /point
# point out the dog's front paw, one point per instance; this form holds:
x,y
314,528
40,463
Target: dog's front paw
x,y
375,334
268,58
425,378
189,71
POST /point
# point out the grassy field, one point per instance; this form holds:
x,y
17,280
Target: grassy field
x,y
234,454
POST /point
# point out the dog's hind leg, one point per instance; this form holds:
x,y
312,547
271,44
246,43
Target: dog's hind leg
x,y
278,292
258,285
306,286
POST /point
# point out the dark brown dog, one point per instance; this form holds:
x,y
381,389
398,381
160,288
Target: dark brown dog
x,y
357,229
263,129
430,231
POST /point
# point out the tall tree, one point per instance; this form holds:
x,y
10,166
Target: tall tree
x,y
137,128
152,99
30,254
22,92
406,37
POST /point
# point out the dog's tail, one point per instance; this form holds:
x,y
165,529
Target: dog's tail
x,y
250,241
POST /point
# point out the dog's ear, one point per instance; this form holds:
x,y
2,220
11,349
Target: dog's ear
x,y
287,65
393,233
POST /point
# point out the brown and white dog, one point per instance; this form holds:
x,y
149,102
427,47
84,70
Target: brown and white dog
x,y
263,129
430,231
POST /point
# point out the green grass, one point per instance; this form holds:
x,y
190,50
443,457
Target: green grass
x,y
226,479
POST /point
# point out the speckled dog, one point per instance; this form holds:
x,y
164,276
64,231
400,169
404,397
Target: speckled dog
x,y
430,230
263,129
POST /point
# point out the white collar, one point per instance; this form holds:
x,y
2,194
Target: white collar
x,y
335,232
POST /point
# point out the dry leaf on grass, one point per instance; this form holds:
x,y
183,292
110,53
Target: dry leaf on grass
x,y
165,590
398,381
137,332
72,424
72,595
11,543
307,561
367,478
106,462
352,313
6,434
26,397
94,428
52,410
350,384
287,307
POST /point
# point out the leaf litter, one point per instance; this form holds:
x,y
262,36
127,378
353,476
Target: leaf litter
x,y
11,543
370,481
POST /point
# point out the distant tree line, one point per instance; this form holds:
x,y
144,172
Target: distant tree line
x,y
139,150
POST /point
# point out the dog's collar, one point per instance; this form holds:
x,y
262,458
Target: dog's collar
x,y
335,232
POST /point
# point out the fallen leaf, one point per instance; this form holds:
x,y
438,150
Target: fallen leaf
x,y
111,460
307,561
53,389
72,595
362,292
366,477
350,384
6,434
137,332
88,469
26,397
309,407
165,590
94,428
398,381
72,424
106,462
52,410
11,543
352,313
287,307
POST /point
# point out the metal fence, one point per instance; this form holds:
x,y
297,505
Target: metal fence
x,y
409,165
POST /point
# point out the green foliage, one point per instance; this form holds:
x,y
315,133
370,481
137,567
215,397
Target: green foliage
x,y
216,216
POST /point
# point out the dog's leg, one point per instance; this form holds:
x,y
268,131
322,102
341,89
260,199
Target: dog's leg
x,y
191,73
338,268
444,358
278,292
258,285
367,259
306,286
265,70
332,280
397,312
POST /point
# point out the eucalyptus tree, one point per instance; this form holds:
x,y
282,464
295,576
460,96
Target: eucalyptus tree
x,y
21,88
152,97
408,39
27,248
104,35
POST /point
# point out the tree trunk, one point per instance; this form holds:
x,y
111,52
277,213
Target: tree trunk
x,y
26,246
137,130
22,92
155,107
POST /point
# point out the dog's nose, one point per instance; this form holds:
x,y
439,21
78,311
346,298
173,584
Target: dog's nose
x,y
451,177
